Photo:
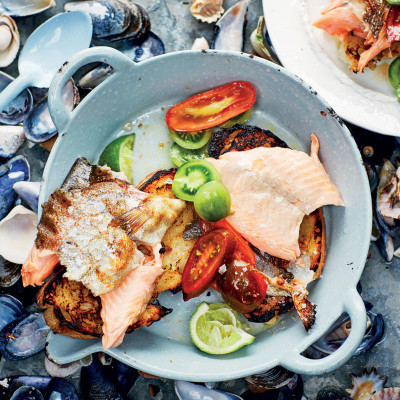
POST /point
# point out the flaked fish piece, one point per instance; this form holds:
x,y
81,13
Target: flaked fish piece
x,y
123,306
376,48
80,224
340,21
269,202
298,291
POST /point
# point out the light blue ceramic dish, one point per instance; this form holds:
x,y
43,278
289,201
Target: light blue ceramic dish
x,y
294,111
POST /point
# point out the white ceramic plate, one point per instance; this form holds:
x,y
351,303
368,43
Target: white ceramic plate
x,y
366,100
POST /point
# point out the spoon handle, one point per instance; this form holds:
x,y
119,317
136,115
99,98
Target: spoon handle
x,y
14,89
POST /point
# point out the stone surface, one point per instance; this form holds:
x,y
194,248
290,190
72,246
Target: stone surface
x,y
172,21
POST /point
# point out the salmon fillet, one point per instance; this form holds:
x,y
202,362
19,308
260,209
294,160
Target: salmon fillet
x,y
340,21
123,306
269,202
38,266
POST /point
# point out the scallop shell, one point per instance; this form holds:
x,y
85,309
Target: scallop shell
x,y
200,44
387,394
17,234
366,384
207,10
9,40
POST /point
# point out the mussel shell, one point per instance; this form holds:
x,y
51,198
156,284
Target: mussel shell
x,y
139,26
61,389
11,309
293,391
122,376
9,273
108,17
27,393
38,126
272,379
229,31
19,108
332,393
94,77
15,170
143,49
24,337
95,385
372,337
27,295
191,391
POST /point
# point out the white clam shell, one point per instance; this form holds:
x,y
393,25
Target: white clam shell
x,y
23,8
65,370
9,40
200,44
11,139
207,10
17,234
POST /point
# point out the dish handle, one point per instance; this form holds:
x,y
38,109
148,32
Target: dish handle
x,y
117,60
354,306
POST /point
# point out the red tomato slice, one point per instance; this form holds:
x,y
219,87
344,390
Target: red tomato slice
x,y
393,24
211,250
243,251
211,108
242,286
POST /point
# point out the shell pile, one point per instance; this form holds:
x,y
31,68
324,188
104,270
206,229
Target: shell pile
x,y
9,40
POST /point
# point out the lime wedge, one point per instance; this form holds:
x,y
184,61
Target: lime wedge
x,y
118,155
215,329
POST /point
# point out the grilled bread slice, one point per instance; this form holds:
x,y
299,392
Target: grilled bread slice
x,y
72,310
176,250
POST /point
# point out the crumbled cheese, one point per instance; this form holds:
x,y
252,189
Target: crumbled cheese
x,y
222,269
4,383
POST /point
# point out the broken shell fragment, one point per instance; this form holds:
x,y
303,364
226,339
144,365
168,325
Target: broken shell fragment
x,y
11,139
207,10
29,192
260,45
229,30
19,223
200,44
9,40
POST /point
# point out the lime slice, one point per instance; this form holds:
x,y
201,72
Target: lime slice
x,y
118,155
215,329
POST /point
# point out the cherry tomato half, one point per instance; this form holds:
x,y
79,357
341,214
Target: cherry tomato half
x,y
210,252
242,251
211,108
242,286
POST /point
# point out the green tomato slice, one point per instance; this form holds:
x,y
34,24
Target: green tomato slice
x,y
191,176
240,119
180,156
394,73
213,202
191,140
